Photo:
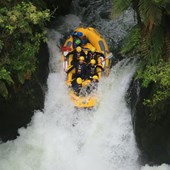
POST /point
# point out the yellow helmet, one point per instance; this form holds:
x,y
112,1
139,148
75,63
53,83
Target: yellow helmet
x,y
78,49
81,58
93,61
93,49
79,80
95,77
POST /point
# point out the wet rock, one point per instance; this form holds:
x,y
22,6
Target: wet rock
x,y
153,137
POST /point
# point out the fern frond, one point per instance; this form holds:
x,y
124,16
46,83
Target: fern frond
x,y
3,89
157,43
167,41
165,4
152,45
132,41
145,51
119,6
150,12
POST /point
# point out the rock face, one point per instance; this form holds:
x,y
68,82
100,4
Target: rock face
x,y
18,110
153,137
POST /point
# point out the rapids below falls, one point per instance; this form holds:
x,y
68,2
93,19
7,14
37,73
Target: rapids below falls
x,y
101,139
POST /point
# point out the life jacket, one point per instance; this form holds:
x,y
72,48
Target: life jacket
x,y
81,70
76,57
91,70
91,56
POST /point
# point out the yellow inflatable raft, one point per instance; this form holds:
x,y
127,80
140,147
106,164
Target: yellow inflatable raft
x,y
84,100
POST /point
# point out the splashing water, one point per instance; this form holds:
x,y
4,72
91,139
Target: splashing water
x,y
161,167
63,138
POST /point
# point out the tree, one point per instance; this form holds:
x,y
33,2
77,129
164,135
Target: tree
x,y
150,39
22,27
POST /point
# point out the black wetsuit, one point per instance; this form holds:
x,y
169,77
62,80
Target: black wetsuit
x,y
94,56
91,71
80,71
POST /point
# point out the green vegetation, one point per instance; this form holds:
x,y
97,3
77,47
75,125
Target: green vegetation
x,y
150,39
22,26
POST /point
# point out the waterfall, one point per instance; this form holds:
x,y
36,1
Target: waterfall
x,y
63,138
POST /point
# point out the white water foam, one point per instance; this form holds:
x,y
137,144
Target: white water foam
x,y
161,167
62,138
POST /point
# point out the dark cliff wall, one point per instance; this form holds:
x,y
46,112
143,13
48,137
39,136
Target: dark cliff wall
x,y
152,136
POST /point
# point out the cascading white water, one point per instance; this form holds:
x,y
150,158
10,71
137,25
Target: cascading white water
x,y
62,138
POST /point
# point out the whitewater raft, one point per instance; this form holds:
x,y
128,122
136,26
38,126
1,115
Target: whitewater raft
x,y
87,98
